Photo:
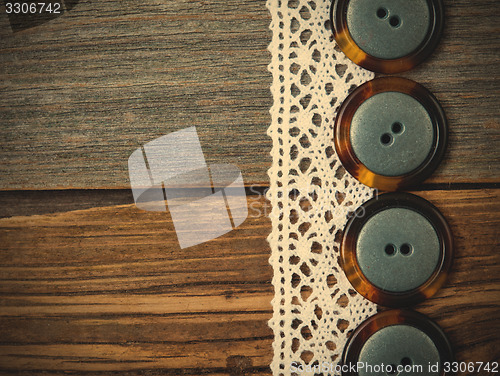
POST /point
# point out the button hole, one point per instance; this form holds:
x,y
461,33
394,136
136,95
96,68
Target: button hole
x,y
386,139
406,362
406,250
397,127
390,249
382,13
395,21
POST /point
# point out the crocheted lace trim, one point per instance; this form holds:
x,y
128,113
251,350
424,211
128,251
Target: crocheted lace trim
x,y
315,307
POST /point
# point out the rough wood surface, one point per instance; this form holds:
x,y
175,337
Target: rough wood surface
x,y
80,93
107,289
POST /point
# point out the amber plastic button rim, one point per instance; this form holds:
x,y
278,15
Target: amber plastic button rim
x,y
338,19
345,150
362,284
384,319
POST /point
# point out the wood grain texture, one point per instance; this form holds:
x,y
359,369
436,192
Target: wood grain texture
x,y
117,293
81,92
107,289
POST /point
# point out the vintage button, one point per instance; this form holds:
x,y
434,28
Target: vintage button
x,y
397,342
387,36
397,249
390,133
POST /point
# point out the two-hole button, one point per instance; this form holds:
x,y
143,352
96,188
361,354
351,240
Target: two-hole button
x,y
388,29
397,343
390,133
387,36
401,128
398,250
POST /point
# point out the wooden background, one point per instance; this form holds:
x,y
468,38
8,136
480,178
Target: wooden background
x,y
91,285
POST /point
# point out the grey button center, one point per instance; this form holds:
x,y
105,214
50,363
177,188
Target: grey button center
x,y
391,133
398,249
388,29
400,345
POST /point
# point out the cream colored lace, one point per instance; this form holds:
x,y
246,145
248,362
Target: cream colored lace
x,y
312,196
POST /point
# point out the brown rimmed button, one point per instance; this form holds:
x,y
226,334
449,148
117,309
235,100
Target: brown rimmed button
x,y
397,342
390,133
387,36
397,249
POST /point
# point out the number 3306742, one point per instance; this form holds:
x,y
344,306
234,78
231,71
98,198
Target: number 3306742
x,y
470,367
33,8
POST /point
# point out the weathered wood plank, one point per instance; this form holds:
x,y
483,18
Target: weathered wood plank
x,y
26,203
118,235
146,304
81,92
107,289
95,357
